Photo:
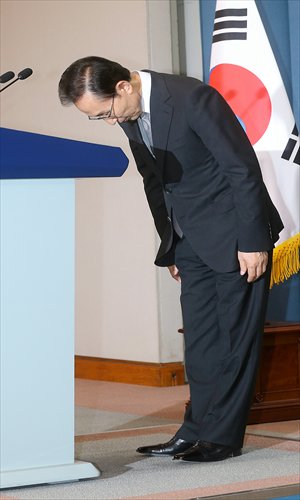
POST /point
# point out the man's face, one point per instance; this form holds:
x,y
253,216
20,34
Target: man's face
x,y
124,106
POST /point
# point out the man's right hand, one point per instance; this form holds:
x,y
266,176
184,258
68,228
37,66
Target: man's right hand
x,y
174,273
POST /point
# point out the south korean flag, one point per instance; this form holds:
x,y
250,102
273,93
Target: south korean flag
x,y
244,70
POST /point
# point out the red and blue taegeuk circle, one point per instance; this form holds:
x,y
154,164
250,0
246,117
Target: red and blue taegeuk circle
x,y
246,95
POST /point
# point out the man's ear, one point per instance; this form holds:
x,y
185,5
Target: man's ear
x,y
123,87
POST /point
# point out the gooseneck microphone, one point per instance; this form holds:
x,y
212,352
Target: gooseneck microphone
x,y
25,73
6,76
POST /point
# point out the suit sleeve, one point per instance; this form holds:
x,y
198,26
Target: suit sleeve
x,y
216,125
154,192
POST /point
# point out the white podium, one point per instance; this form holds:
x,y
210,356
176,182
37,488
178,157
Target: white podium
x,y
37,204
37,334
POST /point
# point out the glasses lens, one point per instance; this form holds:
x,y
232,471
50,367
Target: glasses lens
x,y
100,117
104,115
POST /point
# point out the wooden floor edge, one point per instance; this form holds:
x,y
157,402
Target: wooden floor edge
x,y
130,372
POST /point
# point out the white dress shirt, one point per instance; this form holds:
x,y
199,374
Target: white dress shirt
x,y
144,121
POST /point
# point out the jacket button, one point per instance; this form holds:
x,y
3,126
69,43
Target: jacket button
x,y
168,190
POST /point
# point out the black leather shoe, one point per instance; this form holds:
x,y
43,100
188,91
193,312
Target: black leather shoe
x,y
208,452
170,448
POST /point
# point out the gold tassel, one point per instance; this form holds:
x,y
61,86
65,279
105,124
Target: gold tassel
x,y
286,260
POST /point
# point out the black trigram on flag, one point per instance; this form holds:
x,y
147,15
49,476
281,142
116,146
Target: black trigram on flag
x,y
232,29
292,148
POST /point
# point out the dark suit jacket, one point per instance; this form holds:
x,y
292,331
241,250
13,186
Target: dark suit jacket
x,y
205,171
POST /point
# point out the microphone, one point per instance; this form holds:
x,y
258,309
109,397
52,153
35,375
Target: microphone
x,y
6,76
25,73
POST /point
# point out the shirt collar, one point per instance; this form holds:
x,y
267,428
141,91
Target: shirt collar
x,y
146,90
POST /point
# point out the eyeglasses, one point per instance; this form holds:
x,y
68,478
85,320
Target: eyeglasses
x,y
103,116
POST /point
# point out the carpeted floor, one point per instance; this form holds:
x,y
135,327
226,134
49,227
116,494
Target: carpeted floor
x,y
112,420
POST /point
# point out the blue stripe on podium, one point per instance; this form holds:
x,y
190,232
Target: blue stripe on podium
x,y
24,155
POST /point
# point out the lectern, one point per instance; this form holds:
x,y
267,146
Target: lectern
x,y
37,302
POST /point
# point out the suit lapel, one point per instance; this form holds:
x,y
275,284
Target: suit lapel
x,y
161,110
133,133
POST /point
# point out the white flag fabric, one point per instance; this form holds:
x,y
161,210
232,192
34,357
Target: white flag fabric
x,y
244,70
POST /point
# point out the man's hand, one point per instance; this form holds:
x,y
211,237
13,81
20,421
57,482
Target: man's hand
x,y
253,263
174,273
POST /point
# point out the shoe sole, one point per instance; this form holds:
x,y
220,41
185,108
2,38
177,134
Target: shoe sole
x,y
235,453
157,454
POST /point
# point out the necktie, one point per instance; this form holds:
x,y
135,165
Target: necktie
x,y
145,129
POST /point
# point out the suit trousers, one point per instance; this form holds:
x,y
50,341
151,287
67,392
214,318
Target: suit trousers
x,y
223,318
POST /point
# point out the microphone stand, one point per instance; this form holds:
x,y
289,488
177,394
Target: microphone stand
x,y
9,84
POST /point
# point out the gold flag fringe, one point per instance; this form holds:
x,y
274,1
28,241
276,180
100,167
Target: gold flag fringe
x,y
286,260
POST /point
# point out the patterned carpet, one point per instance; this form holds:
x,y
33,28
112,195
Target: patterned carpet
x,y
112,420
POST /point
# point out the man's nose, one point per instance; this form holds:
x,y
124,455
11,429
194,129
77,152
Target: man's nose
x,y
111,121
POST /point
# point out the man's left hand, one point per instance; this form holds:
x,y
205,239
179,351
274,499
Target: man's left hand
x,y
253,263
174,273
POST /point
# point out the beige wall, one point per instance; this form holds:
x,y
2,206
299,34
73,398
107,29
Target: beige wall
x,y
125,307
